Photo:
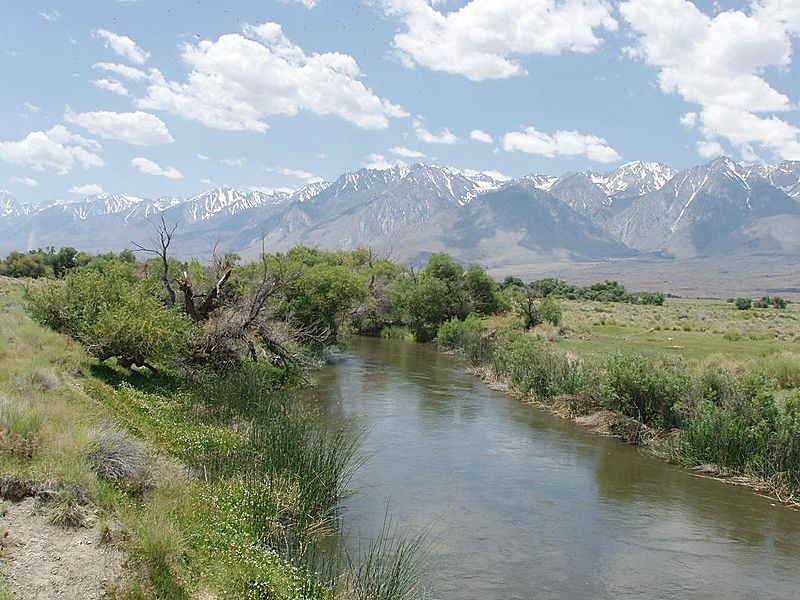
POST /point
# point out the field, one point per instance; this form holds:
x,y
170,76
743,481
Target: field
x,y
694,329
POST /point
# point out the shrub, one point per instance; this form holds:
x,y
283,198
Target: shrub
x,y
112,314
550,311
467,337
533,366
117,457
743,303
646,389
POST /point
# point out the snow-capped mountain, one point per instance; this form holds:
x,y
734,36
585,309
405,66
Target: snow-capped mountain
x,y
9,207
639,207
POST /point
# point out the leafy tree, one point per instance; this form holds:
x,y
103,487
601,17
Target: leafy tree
x,y
423,305
323,295
743,303
524,301
481,290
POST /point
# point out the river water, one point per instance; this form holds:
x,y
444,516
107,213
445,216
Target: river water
x,y
519,504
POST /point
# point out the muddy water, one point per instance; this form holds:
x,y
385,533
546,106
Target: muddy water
x,y
522,505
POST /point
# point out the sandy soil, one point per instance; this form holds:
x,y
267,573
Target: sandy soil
x,y
45,561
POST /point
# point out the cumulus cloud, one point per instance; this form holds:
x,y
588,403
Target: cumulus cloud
x,y
29,181
122,45
296,173
484,38
202,156
561,143
137,128
719,63
112,85
406,152
90,189
145,165
443,137
709,149
481,136
56,149
237,81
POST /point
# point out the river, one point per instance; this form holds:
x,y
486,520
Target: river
x,y
522,505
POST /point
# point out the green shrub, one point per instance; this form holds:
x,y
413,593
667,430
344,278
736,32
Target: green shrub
x,y
113,314
467,337
743,303
645,388
550,311
534,367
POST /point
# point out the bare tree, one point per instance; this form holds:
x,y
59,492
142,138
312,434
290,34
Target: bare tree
x,y
160,247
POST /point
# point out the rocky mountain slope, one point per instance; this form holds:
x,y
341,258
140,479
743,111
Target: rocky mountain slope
x,y
640,209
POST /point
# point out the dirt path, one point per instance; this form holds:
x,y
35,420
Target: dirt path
x,y
45,561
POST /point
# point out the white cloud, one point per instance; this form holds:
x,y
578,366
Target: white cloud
x,y
112,85
32,108
123,70
29,181
56,149
443,137
122,45
561,143
137,128
306,3
380,162
719,63
709,149
232,162
406,152
90,189
206,181
481,136
236,82
484,38
202,156
50,15
296,173
689,120
145,165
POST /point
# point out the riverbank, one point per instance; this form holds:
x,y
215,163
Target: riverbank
x,y
732,425
152,485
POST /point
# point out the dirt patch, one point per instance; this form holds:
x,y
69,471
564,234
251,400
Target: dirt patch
x,y
45,561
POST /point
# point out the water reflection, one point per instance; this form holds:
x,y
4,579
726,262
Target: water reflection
x,y
524,505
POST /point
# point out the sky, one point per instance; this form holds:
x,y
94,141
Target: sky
x,y
156,98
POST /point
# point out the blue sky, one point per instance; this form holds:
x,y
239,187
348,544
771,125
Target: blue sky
x,y
169,98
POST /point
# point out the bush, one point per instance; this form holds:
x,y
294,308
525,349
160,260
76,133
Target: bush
x,y
743,303
646,389
117,457
467,337
550,311
113,314
534,367
64,509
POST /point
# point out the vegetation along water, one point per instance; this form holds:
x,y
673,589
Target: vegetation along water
x,y
183,410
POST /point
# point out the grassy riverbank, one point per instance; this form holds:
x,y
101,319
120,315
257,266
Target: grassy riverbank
x,y
207,488
708,406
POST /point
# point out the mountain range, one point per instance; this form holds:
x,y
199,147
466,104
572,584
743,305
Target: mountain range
x,y
638,211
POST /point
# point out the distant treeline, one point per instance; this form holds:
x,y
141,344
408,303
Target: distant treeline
x,y
606,291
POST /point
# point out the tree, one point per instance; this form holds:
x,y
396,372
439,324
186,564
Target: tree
x,y
322,296
422,305
481,290
525,305
550,310
743,303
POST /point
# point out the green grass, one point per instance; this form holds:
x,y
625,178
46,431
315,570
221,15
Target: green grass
x,y
693,329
